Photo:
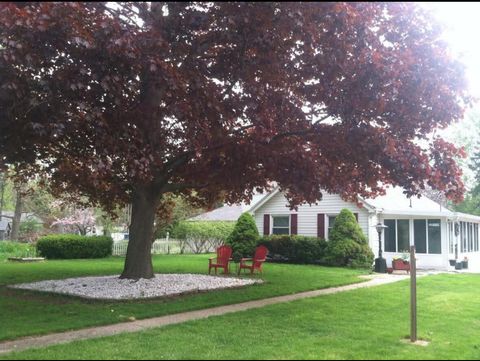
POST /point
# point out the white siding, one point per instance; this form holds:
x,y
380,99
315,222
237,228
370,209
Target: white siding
x,y
331,204
373,235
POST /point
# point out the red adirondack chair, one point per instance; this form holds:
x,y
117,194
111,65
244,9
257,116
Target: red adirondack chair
x,y
224,253
256,262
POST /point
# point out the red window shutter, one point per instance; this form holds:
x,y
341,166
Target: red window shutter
x,y
321,225
266,224
356,216
294,223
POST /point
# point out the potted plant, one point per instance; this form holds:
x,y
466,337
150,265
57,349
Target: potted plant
x,y
401,262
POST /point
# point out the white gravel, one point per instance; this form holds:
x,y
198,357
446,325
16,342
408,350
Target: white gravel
x,y
114,288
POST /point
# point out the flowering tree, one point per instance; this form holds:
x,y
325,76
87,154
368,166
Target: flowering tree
x,y
82,221
128,102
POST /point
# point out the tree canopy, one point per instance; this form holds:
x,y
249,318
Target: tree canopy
x,y
126,102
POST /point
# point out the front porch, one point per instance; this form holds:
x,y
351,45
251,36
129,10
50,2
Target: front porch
x,y
437,240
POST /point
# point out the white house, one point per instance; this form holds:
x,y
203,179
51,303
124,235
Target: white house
x,y
439,234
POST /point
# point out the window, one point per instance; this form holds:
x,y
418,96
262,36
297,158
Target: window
x,y
450,237
390,235
403,235
475,236
469,237
420,235
331,222
427,235
434,236
281,225
397,235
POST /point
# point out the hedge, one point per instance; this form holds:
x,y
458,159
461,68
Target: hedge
x,y
295,249
202,230
72,246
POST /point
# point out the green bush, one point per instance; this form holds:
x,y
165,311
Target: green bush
x,y
347,245
202,229
295,249
16,249
30,229
244,237
72,246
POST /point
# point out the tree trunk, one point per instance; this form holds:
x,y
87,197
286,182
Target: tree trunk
x,y
138,263
17,216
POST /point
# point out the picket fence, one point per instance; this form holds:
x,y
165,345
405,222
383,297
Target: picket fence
x,y
160,246
172,246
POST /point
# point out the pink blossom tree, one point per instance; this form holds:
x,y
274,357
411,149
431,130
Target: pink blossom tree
x,y
81,220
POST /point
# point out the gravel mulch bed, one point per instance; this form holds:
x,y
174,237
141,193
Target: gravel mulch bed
x,y
114,288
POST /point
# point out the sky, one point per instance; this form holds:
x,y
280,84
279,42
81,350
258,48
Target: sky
x,y
462,32
462,21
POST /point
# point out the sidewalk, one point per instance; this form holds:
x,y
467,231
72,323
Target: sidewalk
x,y
140,325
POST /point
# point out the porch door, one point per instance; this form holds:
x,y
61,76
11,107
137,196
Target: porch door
x,y
452,238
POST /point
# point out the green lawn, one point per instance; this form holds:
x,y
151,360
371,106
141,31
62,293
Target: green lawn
x,y
31,313
361,324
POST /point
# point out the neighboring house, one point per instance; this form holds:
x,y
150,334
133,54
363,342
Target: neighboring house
x,y
6,222
225,213
438,233
5,228
24,217
228,212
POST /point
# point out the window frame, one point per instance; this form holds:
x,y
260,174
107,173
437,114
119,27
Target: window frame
x,y
272,227
330,226
428,236
396,233
411,233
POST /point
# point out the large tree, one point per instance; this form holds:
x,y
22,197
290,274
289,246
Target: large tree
x,y
127,102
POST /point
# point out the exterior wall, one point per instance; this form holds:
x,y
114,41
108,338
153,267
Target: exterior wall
x,y
372,234
331,204
473,256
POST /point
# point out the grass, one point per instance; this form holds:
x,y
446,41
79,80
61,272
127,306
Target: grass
x,y
27,313
361,324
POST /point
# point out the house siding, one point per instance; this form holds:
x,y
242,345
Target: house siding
x,y
331,204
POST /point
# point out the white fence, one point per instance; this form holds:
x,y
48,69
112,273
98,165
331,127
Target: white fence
x,y
172,246
160,246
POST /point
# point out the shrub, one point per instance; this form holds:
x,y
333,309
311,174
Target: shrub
x,y
295,249
201,236
16,249
244,237
30,229
347,245
72,246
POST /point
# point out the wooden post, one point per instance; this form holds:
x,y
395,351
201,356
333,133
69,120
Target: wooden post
x,y
168,242
2,193
413,295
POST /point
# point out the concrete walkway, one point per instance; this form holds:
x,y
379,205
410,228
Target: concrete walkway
x,y
141,325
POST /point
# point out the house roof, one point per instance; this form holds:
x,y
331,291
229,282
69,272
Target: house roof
x,y
396,202
25,216
228,212
225,213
